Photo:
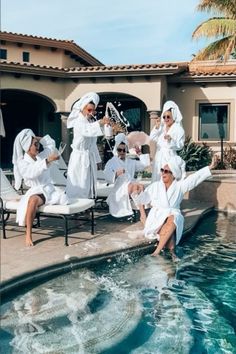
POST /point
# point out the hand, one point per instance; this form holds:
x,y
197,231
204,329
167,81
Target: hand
x,y
120,172
214,162
137,150
105,120
167,137
158,123
52,157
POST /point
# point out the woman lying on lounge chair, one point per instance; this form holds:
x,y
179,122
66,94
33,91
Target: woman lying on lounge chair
x,y
32,166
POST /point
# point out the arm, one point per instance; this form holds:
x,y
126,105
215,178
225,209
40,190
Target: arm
x,y
109,172
32,171
49,146
156,132
145,197
176,140
144,161
198,177
88,129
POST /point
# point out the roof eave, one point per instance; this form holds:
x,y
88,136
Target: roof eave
x,y
47,42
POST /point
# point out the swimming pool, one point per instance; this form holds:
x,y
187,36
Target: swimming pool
x,y
135,304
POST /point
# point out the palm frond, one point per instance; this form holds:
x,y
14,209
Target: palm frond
x,y
217,49
226,7
215,27
231,48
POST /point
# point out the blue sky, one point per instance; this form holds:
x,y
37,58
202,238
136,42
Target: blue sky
x,y
115,32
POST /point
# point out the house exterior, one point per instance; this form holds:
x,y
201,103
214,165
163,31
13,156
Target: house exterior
x,y
41,79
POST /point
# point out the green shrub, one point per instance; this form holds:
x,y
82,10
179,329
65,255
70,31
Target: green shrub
x,y
229,158
195,155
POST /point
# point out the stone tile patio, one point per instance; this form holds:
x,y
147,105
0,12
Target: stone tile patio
x,y
111,235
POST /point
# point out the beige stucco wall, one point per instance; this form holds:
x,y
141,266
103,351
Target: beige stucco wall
x,y
147,91
53,91
65,93
42,56
188,96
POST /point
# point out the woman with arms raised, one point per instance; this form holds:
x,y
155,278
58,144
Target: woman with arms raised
x,y
82,168
169,136
165,221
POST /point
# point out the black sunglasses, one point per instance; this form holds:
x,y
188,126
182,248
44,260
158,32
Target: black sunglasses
x,y
163,170
167,117
121,150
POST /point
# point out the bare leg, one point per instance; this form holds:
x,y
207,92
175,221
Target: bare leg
x,y
171,247
135,189
166,233
143,216
34,202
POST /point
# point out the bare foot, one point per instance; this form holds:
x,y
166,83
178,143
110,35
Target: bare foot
x,y
174,257
156,253
29,242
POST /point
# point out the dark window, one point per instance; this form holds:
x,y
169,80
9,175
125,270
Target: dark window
x,y
26,56
3,54
213,121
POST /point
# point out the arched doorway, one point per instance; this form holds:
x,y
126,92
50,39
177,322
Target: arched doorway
x,y
132,108
24,109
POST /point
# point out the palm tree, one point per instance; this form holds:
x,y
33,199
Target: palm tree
x,y
222,28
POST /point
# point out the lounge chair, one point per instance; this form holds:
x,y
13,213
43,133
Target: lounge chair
x,y
9,200
103,189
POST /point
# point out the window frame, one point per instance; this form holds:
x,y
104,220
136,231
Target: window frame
x,y
23,59
213,104
3,50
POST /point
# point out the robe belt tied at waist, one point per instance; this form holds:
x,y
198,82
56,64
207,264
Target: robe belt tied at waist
x,y
86,155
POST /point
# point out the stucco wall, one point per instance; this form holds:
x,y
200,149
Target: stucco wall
x,y
42,56
54,91
147,91
187,96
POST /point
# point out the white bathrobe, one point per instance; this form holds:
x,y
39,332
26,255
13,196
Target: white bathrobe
x,y
165,203
36,175
119,200
164,148
82,168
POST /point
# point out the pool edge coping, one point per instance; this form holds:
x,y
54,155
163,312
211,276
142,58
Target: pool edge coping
x,y
76,262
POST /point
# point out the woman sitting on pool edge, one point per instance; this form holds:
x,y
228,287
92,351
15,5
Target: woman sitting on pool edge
x,y
165,221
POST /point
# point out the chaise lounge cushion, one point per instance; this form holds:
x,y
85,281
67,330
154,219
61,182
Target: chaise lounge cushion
x,y
79,205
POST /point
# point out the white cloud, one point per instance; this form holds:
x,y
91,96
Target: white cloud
x,y
125,31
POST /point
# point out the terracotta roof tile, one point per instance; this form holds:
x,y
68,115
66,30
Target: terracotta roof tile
x,y
68,45
13,63
37,37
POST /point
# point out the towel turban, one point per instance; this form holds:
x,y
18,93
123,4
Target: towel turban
x,y
119,139
79,106
21,144
176,165
176,114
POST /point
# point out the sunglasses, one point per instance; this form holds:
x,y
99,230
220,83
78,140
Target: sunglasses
x,y
91,110
167,117
121,150
163,170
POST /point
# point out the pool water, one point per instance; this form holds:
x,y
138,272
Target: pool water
x,y
138,305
